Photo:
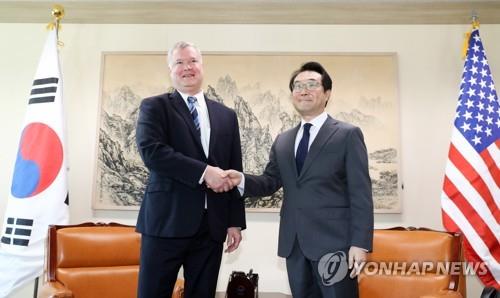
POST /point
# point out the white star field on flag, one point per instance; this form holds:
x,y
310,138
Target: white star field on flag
x,y
478,111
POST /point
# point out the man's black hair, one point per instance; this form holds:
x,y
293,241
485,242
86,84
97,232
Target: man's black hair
x,y
326,81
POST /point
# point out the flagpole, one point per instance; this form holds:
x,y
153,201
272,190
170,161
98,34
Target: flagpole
x,y
475,25
35,290
57,13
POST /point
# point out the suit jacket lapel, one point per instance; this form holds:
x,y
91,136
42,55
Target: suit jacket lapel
x,y
213,124
289,144
325,132
180,105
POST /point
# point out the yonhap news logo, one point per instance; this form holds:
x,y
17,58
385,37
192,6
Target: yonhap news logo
x,y
422,268
332,267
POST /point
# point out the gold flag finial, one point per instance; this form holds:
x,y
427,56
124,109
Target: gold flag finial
x,y
475,21
58,14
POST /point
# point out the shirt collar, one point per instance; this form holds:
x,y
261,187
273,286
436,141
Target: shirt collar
x,y
317,121
199,97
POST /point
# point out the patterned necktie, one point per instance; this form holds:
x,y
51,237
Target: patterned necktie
x,y
194,113
303,148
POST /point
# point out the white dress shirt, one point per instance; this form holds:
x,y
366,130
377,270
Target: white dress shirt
x,y
202,110
317,122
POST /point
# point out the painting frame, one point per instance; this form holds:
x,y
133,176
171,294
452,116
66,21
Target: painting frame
x,y
260,99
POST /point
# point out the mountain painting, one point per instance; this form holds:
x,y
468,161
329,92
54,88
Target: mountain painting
x,y
255,85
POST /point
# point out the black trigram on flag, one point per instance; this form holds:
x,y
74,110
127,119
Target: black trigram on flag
x,y
44,90
17,231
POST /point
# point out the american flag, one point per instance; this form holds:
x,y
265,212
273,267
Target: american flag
x,y
471,196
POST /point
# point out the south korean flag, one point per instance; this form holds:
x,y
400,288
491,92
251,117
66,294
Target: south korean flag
x,y
39,195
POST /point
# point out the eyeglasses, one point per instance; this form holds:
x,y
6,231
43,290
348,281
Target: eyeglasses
x,y
309,85
189,62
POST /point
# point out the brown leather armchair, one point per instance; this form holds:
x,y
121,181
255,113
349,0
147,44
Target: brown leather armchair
x,y
94,260
411,263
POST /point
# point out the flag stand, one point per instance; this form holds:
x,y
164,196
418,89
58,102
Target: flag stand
x,y
35,291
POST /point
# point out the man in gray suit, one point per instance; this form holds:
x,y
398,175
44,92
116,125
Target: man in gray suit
x,y
327,213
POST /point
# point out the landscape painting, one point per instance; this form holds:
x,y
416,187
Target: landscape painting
x,y
255,85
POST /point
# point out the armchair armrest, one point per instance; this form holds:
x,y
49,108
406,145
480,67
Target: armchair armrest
x,y
178,289
444,294
54,289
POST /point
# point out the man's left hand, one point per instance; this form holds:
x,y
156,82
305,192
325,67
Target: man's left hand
x,y
357,256
233,239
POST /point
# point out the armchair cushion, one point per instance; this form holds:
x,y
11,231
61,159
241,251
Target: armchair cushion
x,y
94,260
412,263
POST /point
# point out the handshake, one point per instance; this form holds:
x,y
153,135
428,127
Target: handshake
x,y
219,180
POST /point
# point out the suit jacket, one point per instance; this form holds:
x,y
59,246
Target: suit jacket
x,y
171,149
328,206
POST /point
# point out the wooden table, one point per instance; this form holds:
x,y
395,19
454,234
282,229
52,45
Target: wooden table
x,y
261,295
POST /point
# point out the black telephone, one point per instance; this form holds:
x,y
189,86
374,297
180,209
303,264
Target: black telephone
x,y
243,285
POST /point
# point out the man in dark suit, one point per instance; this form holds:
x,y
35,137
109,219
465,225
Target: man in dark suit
x,y
326,221
185,140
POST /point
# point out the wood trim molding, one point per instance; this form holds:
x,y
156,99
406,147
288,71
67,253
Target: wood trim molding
x,y
255,12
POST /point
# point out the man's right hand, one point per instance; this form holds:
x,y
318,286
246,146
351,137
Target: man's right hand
x,y
234,176
215,179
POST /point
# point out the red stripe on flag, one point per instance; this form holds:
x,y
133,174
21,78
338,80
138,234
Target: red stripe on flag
x,y
475,220
474,178
492,166
471,256
448,223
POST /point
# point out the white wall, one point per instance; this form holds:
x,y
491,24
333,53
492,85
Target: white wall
x,y
430,70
